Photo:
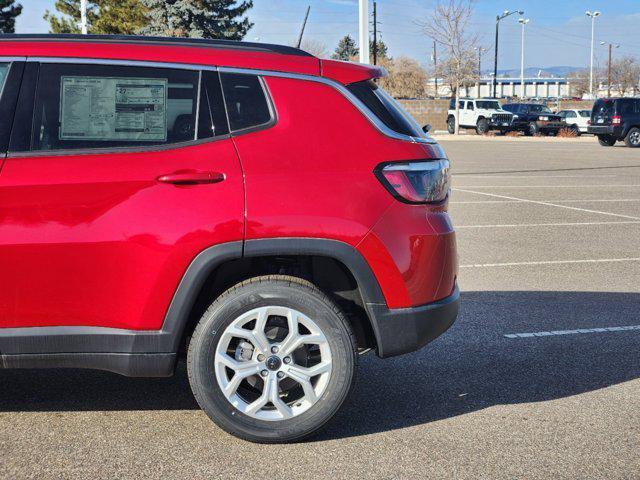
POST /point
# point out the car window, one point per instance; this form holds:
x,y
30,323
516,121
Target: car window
x,y
469,105
247,104
571,115
461,104
383,106
603,107
585,113
626,106
488,104
4,69
104,106
539,109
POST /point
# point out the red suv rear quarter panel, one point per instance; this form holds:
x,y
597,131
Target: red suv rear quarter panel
x,y
311,175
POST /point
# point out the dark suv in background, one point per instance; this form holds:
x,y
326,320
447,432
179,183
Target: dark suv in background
x,y
616,119
533,118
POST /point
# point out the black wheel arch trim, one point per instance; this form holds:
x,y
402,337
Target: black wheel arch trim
x,y
103,348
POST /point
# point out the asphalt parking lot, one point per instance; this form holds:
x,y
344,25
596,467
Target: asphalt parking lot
x,y
539,378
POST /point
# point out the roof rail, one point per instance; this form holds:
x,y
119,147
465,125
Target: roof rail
x,y
139,39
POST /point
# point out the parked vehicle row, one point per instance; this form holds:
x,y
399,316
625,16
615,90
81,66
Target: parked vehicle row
x,y
611,119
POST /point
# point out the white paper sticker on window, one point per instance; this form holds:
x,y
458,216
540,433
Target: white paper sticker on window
x,y
113,109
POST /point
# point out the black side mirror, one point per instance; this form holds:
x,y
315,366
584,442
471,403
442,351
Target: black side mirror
x,y
426,128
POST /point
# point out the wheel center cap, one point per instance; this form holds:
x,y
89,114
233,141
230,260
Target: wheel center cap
x,y
273,362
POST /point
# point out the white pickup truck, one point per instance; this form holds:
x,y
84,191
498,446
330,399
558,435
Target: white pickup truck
x,y
483,114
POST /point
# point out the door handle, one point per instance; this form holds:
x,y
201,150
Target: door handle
x,y
192,178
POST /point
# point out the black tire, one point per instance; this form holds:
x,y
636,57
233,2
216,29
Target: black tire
x,y
532,129
576,130
632,139
482,126
283,291
606,140
451,125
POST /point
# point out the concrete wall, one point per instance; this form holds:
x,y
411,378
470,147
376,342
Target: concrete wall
x,y
428,111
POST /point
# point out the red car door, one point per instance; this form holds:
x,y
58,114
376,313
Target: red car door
x,y
126,175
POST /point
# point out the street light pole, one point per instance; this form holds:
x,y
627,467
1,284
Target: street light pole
x,y
83,16
522,22
480,50
611,46
505,14
593,25
364,30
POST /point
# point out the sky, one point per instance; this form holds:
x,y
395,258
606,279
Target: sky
x,y
558,33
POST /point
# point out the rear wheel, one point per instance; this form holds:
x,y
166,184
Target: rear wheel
x,y
451,125
633,138
606,140
482,126
272,359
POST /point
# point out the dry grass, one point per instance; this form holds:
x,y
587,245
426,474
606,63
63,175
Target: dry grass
x,y
567,133
513,133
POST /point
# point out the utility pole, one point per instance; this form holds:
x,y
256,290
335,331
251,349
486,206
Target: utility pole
x,y
505,14
435,68
593,17
611,47
83,16
375,33
304,24
364,30
480,50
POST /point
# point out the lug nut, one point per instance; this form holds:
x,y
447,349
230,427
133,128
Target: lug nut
x,y
287,360
264,373
274,349
261,358
280,374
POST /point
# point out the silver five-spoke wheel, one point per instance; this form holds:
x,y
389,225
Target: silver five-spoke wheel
x,y
273,363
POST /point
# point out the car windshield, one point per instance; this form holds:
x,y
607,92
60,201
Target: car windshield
x,y
383,106
539,109
488,104
603,107
585,113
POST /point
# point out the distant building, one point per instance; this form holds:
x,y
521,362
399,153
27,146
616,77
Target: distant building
x,y
545,87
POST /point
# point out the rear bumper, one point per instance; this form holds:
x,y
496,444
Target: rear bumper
x,y
405,330
616,131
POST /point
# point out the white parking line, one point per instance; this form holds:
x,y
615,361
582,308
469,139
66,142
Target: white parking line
x,y
548,204
488,175
598,200
551,262
568,224
578,331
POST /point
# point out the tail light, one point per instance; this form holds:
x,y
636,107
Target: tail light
x,y
616,120
588,122
416,182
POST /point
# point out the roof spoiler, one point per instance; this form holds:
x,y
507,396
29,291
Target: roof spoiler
x,y
350,72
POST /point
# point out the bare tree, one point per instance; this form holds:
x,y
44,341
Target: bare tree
x,y
407,79
449,26
625,74
315,47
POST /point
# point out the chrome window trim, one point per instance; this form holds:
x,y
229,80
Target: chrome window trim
x,y
374,120
123,63
340,88
4,59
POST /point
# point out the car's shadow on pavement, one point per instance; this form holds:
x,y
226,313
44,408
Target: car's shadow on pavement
x,y
471,367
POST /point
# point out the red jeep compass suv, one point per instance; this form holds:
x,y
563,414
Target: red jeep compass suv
x,y
268,213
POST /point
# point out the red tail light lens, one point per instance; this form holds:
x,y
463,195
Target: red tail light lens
x,y
416,182
616,120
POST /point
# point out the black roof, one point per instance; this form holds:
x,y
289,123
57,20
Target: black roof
x,y
139,39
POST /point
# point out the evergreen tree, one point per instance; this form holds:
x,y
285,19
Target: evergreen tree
x,y
112,17
198,18
383,51
346,49
9,10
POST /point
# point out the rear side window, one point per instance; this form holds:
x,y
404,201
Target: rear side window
x,y
383,106
104,106
4,70
246,100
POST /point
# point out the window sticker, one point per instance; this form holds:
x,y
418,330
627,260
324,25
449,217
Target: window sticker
x,y
113,109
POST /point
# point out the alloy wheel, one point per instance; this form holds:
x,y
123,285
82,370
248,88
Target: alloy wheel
x,y
273,363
